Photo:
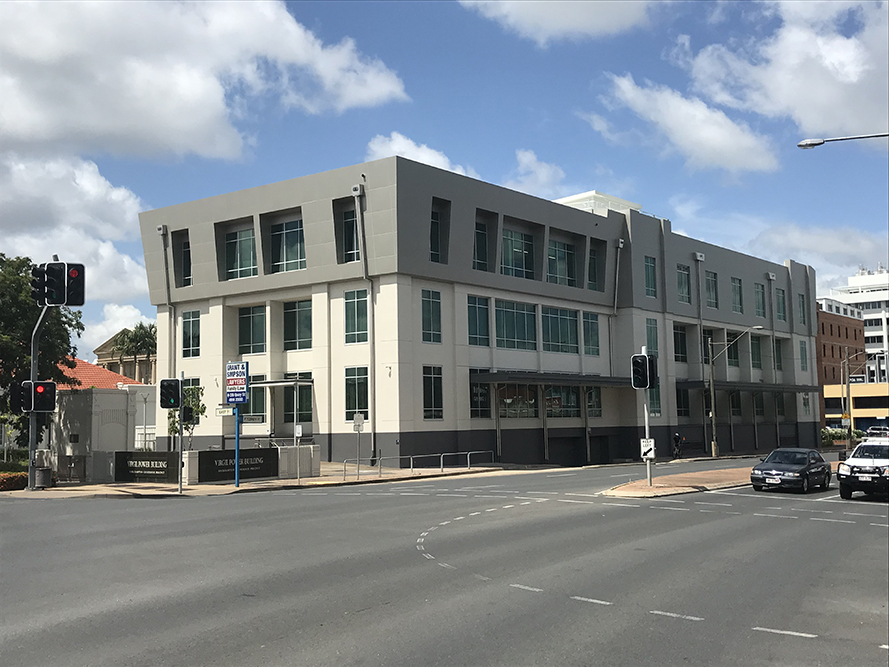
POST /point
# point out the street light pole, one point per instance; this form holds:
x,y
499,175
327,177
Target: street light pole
x,y
812,143
714,448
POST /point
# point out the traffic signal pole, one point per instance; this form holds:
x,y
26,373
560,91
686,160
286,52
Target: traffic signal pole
x,y
32,418
647,427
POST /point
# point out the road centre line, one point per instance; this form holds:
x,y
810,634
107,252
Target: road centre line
x,y
774,508
667,500
447,566
675,509
672,615
407,493
347,493
474,513
708,511
786,632
501,497
698,502
884,646
777,516
621,505
493,509
564,474
881,525
818,518
585,495
450,495
370,493
879,516
591,600
801,509
580,502
506,507
544,493
527,588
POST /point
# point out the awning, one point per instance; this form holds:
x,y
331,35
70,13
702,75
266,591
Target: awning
x,y
726,385
532,377
282,383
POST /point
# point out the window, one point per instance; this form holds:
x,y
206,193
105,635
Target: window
x,y
650,276
480,247
356,392
593,268
683,282
756,351
186,263
431,307
251,330
779,364
516,325
563,402
478,321
759,296
680,344
298,325
735,400
807,408
780,305
737,296
591,334
256,398
654,401
435,237
518,254
594,402
734,351
191,333
779,404
288,246
683,408
479,396
560,266
559,330
356,316
515,401
298,400
432,393
803,356
707,335
712,289
651,335
240,254
801,301
351,246
759,408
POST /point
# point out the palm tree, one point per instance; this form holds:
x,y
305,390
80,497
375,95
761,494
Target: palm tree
x,y
141,339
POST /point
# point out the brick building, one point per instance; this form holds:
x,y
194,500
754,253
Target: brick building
x,y
840,340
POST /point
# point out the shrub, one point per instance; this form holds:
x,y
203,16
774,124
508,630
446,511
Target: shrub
x,y
13,481
14,466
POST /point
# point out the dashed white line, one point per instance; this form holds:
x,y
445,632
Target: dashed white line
x,y
527,588
543,493
459,518
698,502
786,632
564,474
708,511
802,509
581,502
621,505
819,518
672,615
667,500
881,525
380,494
675,509
493,509
474,513
527,502
407,493
450,495
885,646
346,493
429,556
590,600
777,516
444,523
584,495
481,577
506,507
879,516
447,566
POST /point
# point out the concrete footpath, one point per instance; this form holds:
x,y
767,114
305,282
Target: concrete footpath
x,y
332,474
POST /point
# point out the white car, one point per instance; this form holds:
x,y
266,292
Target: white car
x,y
867,469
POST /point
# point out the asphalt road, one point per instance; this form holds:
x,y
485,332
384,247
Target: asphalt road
x,y
509,569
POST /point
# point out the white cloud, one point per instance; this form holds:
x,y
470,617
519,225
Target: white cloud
x,y
545,22
829,82
114,318
164,77
398,144
65,206
705,136
534,177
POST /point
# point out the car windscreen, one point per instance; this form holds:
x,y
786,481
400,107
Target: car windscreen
x,y
798,458
872,451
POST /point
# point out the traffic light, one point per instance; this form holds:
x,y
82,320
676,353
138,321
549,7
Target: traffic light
x,y
27,396
44,397
15,398
171,394
76,285
652,370
639,366
187,414
56,283
38,284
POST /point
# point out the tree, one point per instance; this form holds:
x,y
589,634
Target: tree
x,y
141,339
193,397
20,314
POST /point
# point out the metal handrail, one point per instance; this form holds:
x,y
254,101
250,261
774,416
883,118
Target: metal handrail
x,y
441,456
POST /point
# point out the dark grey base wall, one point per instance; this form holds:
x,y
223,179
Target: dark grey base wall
x,y
567,446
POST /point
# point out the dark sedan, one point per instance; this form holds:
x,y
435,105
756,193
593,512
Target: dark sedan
x,y
791,468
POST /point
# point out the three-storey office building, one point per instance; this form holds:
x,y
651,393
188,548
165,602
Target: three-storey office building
x,y
456,315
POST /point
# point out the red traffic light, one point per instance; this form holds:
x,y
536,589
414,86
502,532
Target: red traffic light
x,y
40,388
73,273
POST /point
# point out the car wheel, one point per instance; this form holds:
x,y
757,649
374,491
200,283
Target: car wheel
x,y
804,487
757,487
845,491
826,484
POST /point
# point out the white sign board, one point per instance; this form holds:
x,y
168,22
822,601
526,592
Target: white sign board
x,y
647,449
358,422
236,382
225,412
298,430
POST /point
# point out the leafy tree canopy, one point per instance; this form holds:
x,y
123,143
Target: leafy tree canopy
x,y
19,316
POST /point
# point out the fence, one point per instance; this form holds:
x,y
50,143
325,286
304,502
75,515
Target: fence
x,y
441,458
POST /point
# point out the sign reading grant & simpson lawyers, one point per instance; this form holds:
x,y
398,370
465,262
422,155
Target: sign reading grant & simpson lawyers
x,y
219,465
146,467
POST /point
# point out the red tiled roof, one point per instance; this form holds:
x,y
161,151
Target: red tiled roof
x,y
91,375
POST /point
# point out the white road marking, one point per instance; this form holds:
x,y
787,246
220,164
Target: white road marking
x,y
429,556
527,588
708,511
445,565
774,508
885,646
569,500
527,502
478,496
584,495
480,486
543,493
698,502
881,525
450,495
593,601
786,632
444,523
482,577
777,516
380,494
420,547
626,474
675,509
420,540
879,516
506,507
564,474
474,513
732,512
459,518
667,500
672,615
621,505
314,493
346,493
802,509
413,494
818,518
493,509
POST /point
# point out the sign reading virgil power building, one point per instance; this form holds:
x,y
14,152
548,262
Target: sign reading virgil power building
x,y
219,466
145,466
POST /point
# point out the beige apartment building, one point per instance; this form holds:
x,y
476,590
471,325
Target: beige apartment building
x,y
456,316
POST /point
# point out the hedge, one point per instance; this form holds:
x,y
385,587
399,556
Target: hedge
x,y
13,481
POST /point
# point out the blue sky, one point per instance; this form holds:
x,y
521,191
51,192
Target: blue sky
x,y
692,109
